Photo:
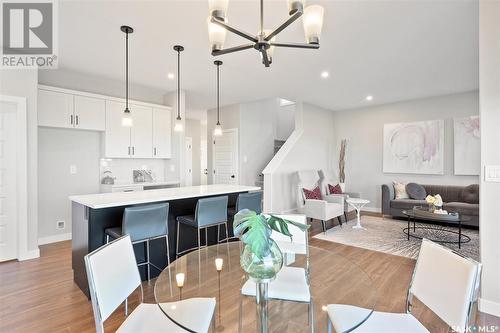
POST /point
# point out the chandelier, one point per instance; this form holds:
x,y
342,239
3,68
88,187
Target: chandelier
x,y
265,40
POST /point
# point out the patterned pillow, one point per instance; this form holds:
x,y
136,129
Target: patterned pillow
x,y
400,190
334,189
312,194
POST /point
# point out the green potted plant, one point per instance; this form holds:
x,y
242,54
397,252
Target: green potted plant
x,y
261,258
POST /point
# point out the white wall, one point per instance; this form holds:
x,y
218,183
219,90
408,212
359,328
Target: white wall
x,y
99,85
285,121
364,130
176,164
23,83
257,134
489,50
58,149
193,131
310,146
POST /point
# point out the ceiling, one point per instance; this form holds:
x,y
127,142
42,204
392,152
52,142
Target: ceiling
x,y
393,50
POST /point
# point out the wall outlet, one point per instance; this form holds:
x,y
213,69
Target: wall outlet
x,y
72,169
60,224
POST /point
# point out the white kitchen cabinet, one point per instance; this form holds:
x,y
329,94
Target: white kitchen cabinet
x,y
90,113
141,134
117,137
162,133
55,109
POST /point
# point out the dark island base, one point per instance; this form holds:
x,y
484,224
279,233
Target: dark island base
x,y
88,235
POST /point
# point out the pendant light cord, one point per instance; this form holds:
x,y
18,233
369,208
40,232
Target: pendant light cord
x,y
218,83
178,84
126,71
262,17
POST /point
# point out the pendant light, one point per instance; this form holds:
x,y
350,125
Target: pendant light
x,y
178,121
127,116
218,126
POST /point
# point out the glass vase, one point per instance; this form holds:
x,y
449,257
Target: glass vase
x,y
265,269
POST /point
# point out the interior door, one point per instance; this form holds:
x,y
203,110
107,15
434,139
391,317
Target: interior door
x,y
117,137
142,131
189,162
226,157
8,181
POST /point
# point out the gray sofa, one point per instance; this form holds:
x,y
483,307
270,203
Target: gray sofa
x,y
461,199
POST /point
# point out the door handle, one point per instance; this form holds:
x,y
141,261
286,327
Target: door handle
x,y
155,151
76,118
129,150
71,119
133,150
232,176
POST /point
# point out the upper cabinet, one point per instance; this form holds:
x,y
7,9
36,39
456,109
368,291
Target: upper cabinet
x,y
90,113
162,133
55,109
65,110
149,137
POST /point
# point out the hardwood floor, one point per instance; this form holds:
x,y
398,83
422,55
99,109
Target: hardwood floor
x,y
39,295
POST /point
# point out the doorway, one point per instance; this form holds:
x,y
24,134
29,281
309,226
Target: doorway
x,y
189,162
225,155
13,178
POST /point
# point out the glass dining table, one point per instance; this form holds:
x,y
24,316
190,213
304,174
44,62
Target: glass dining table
x,y
215,272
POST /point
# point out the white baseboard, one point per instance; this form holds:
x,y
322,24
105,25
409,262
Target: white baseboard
x,y
372,209
490,307
33,254
54,239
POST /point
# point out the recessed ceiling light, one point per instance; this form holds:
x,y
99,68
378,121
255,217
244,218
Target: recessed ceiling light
x,y
171,76
369,98
324,74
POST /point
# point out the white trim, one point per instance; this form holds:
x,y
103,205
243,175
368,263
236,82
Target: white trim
x,y
33,254
490,307
372,209
22,178
104,97
54,238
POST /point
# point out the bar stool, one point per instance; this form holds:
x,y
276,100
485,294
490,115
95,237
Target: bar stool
x,y
143,224
251,201
209,212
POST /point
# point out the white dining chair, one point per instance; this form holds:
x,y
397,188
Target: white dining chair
x,y
113,275
291,283
446,282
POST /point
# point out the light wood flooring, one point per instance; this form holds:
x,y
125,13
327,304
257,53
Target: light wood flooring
x,y
39,295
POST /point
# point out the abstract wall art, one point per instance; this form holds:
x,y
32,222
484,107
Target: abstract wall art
x,y
416,147
467,152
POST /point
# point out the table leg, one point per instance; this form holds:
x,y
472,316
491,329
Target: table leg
x,y
408,230
414,223
459,234
262,308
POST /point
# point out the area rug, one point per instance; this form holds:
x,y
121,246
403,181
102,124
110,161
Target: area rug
x,y
386,235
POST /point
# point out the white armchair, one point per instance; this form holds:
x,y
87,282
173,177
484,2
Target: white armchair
x,y
325,179
322,210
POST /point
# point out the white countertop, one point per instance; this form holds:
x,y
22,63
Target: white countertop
x,y
105,200
167,182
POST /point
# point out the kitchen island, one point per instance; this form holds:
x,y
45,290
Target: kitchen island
x,y
93,213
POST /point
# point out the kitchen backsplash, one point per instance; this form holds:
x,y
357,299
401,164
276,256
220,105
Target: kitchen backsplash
x,y
122,169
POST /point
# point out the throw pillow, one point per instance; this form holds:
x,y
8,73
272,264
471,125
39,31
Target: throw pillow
x,y
400,190
314,194
416,191
334,189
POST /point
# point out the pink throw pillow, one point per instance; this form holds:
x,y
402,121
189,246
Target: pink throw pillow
x,y
334,189
312,194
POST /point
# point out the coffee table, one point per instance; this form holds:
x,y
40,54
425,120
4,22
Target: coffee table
x,y
357,204
423,213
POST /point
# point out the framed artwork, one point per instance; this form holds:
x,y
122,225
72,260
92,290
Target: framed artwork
x,y
416,147
467,145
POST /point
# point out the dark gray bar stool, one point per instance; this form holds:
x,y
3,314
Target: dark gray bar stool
x,y
209,212
143,224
